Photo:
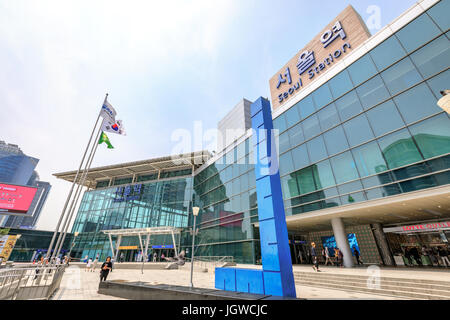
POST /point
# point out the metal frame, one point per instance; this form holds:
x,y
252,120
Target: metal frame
x,y
139,232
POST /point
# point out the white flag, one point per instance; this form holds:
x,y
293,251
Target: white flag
x,y
114,127
108,113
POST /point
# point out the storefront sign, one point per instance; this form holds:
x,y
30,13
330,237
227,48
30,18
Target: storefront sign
x,y
128,247
168,246
420,227
343,34
128,193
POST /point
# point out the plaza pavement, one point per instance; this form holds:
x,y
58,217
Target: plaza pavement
x,y
78,284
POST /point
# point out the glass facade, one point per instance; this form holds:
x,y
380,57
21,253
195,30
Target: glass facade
x,y
372,131
164,202
369,129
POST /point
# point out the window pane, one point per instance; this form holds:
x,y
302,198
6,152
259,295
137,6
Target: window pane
x,y
387,53
399,149
316,149
369,159
335,140
296,135
401,76
439,83
322,96
372,92
328,117
286,164
340,84
305,181
300,156
433,135
292,116
344,167
284,142
417,32
417,103
385,118
306,106
280,123
362,70
348,105
432,58
311,127
358,130
439,13
289,186
323,175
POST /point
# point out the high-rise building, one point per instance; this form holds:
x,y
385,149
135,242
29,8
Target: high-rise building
x,y
17,168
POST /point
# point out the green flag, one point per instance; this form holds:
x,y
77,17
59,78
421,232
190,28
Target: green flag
x,y
104,138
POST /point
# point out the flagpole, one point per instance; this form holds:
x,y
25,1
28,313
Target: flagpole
x,y
68,216
73,184
77,195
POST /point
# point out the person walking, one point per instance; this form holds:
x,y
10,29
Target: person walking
x,y
162,257
88,265
314,257
121,257
327,256
339,257
105,269
443,254
356,253
154,257
94,265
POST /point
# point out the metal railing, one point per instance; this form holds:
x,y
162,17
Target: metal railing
x,y
30,283
206,262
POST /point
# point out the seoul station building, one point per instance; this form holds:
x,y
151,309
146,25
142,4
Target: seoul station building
x,y
364,152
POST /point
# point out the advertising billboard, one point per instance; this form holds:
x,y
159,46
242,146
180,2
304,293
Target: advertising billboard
x,y
15,199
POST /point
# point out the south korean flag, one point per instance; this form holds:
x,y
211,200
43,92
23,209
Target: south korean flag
x,y
114,127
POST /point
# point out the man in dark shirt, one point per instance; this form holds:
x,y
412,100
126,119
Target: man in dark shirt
x,y
105,269
314,257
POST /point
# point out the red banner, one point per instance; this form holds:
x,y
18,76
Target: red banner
x,y
16,199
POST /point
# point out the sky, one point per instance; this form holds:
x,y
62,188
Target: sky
x,y
164,64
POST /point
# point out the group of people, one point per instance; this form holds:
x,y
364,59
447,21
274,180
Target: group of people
x,y
337,258
431,256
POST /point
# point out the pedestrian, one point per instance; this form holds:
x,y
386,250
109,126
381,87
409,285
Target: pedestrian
x,y
154,257
336,255
314,257
94,265
121,257
105,269
88,265
327,256
356,253
339,257
85,259
443,254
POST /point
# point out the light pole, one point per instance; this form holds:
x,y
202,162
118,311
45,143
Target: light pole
x,y
73,245
195,211
444,102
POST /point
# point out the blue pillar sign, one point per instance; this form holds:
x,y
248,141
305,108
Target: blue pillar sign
x,y
276,278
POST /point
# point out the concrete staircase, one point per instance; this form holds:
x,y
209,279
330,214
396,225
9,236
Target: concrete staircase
x,y
402,288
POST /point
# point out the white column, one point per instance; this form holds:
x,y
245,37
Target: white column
x,y
342,241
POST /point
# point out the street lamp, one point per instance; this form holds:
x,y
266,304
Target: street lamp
x,y
73,245
444,102
195,211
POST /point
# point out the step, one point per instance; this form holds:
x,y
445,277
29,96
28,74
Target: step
x,y
383,281
383,286
364,277
394,293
